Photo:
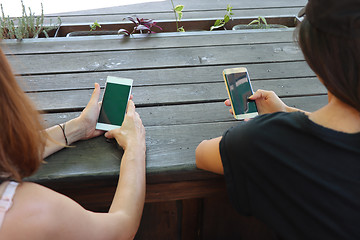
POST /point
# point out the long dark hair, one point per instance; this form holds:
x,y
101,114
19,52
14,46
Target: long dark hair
x,y
336,60
22,138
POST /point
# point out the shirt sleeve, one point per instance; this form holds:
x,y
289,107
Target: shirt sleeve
x,y
234,172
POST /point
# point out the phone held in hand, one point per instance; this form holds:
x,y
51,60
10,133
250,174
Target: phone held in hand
x,y
239,89
114,103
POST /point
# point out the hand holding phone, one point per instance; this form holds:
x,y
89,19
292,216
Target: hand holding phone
x,y
114,103
239,89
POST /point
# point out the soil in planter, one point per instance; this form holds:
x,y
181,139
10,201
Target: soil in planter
x,y
263,26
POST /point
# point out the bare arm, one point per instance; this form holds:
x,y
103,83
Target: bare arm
x,y
208,153
130,193
208,157
82,127
46,214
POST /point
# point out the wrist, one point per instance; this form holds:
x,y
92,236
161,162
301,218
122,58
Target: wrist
x,y
137,147
74,130
290,109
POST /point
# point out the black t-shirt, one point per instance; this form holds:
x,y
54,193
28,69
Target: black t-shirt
x,y
300,178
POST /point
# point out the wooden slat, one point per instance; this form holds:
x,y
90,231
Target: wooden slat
x,y
165,6
236,226
176,94
169,148
158,58
145,41
51,82
183,114
159,221
167,15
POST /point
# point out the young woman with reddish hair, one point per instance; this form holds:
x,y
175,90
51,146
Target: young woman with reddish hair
x,y
31,211
299,172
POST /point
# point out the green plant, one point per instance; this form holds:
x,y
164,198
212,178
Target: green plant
x,y
221,22
178,15
27,26
258,23
94,26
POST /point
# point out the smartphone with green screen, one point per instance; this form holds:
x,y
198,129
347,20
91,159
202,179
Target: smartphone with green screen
x,y
113,108
239,88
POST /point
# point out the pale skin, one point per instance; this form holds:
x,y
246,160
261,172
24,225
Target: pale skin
x,y
46,214
330,116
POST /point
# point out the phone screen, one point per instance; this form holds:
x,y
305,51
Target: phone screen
x,y
240,90
114,104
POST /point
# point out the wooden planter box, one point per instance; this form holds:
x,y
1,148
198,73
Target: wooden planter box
x,y
169,26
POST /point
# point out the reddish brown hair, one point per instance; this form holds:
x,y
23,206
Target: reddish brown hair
x,y
22,138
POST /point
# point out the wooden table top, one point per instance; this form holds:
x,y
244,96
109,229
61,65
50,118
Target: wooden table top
x,y
178,90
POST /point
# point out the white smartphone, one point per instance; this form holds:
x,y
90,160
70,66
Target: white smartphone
x,y
114,103
239,89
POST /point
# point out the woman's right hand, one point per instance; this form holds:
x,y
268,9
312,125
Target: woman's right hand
x,y
266,102
132,131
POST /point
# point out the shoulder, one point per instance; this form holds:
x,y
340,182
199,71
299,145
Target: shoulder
x,y
33,204
41,211
46,214
269,123
259,133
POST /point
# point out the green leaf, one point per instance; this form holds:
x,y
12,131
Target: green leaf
x,y
264,20
97,24
226,18
180,14
217,22
253,22
179,8
228,8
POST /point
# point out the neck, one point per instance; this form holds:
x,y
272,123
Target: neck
x,y
338,116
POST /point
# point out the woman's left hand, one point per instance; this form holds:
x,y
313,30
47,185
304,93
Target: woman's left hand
x,y
90,114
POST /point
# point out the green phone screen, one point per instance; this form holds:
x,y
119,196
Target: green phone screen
x,y
114,104
240,91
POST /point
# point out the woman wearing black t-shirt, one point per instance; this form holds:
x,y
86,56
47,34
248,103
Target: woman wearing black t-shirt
x,y
299,171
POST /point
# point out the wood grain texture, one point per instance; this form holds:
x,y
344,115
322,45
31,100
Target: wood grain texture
x,y
221,221
168,15
184,114
176,94
179,92
190,6
149,77
143,41
158,58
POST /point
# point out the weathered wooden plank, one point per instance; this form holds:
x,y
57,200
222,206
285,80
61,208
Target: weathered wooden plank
x,y
236,226
192,217
159,221
280,70
162,192
192,113
167,15
165,6
169,148
154,41
176,94
157,58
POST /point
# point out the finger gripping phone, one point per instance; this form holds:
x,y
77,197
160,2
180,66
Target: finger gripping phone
x,y
114,103
239,89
